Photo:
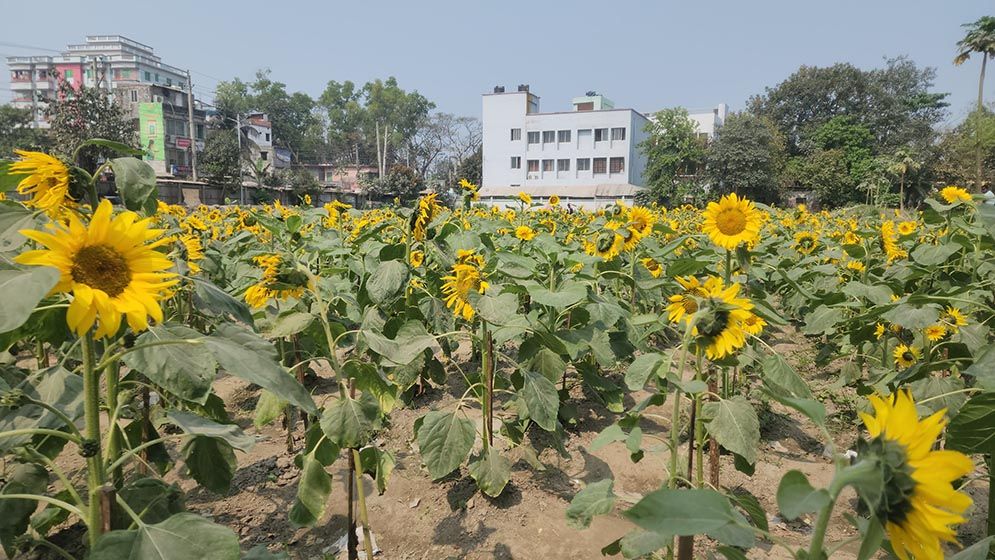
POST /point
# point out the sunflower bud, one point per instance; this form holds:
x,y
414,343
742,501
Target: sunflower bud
x,y
89,448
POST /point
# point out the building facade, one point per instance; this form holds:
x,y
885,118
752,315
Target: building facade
x,y
105,61
586,156
163,123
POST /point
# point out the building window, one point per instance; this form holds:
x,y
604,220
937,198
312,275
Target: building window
x,y
547,165
583,164
548,136
618,133
157,78
148,76
267,137
600,165
516,162
69,75
533,166
600,135
563,165
134,96
262,155
516,134
534,137
563,136
617,165
200,131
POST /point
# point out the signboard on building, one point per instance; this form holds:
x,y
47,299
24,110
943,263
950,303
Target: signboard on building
x,y
151,131
182,142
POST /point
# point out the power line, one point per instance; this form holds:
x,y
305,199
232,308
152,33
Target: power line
x,y
20,46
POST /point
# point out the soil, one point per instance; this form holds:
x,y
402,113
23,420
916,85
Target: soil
x,y
418,519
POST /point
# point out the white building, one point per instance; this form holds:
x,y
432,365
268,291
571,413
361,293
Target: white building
x,y
588,156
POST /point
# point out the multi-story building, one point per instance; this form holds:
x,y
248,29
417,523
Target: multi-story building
x,y
588,157
103,60
163,124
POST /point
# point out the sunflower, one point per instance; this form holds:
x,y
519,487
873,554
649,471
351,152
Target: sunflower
x,y
525,198
879,330
906,355
856,266
954,318
732,221
641,220
907,227
193,249
805,242
525,233
851,238
47,180
554,200
278,282
467,185
953,195
685,304
108,266
919,506
428,208
754,324
466,277
654,267
722,327
307,199
607,244
935,333
416,258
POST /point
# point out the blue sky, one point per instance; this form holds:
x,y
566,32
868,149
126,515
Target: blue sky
x,y
644,55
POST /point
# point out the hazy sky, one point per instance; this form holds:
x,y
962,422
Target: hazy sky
x,y
644,55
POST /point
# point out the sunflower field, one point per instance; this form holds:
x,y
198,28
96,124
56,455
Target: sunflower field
x,y
117,322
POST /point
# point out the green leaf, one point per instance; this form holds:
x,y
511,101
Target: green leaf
x,y
248,359
873,537
202,427
135,181
411,340
290,324
549,364
312,493
681,512
912,317
641,369
782,379
609,435
542,403
497,310
796,496
977,551
260,552
594,499
55,386
22,290
822,320
215,302
568,294
13,218
735,425
370,380
972,430
269,407
731,553
379,464
444,440
23,478
184,536
638,544
386,280
751,505
179,362
349,422
151,498
932,255
491,471
211,462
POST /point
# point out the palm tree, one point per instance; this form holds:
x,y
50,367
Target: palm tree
x,y
901,163
980,38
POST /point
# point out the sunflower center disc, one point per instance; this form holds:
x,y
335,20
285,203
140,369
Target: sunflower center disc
x,y
101,268
731,221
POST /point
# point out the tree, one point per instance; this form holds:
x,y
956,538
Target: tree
x,y
392,117
894,103
400,181
957,150
747,157
219,162
301,182
344,111
441,142
980,38
295,125
78,114
826,173
900,164
16,131
673,152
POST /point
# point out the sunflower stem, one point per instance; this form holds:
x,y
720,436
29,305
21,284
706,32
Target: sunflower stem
x,y
819,535
95,462
991,495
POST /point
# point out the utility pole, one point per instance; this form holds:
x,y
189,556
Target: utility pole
x,y
193,130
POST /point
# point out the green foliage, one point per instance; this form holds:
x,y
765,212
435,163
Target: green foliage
x,y
747,157
220,163
16,132
673,152
78,114
400,181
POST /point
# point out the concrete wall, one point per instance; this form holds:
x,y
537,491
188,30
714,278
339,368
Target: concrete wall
x,y
503,112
